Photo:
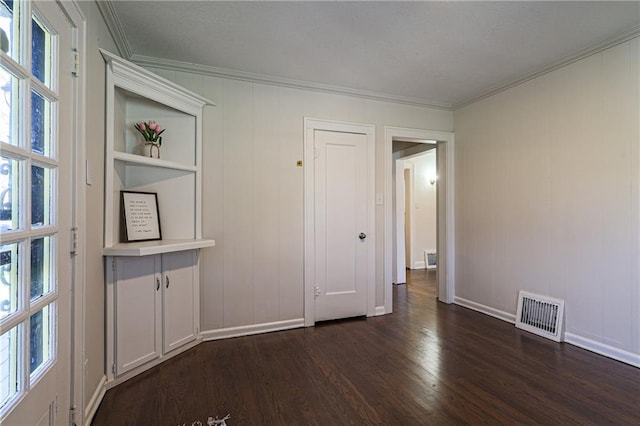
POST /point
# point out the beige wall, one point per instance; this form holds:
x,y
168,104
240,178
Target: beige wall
x,y
547,197
253,191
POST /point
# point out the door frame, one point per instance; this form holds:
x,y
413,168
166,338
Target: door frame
x,y
78,24
446,210
399,275
310,126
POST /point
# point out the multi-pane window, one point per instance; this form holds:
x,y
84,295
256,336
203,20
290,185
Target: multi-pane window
x,y
28,190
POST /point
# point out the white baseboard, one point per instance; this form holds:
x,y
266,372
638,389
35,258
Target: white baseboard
x,y
94,402
572,339
379,311
418,265
603,349
505,316
247,330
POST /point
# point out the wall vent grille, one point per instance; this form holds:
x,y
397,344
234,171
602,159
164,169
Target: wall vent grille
x,y
431,259
541,315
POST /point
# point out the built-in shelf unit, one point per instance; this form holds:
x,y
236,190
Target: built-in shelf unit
x,y
153,287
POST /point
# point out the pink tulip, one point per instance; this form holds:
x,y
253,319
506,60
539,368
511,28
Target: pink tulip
x,y
152,125
143,127
158,129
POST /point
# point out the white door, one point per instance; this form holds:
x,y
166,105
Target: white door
x,y
138,306
179,315
341,224
35,222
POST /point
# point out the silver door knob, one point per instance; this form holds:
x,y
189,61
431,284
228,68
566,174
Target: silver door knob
x,y
362,236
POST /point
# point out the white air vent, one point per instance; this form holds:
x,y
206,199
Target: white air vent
x,y
540,315
430,259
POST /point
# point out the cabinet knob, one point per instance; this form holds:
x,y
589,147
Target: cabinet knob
x,y
157,283
167,280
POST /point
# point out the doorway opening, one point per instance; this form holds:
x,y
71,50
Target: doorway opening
x,y
445,230
415,207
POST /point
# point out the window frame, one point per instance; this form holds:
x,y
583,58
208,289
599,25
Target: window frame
x,y
19,66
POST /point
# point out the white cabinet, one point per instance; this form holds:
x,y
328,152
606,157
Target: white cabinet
x,y
181,314
155,307
153,287
137,307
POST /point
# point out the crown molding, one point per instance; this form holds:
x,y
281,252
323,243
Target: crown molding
x,y
168,64
501,87
124,48
115,27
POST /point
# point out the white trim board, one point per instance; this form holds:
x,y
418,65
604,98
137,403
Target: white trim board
x,y
171,65
603,349
487,310
167,64
248,330
78,24
114,26
505,85
569,338
94,402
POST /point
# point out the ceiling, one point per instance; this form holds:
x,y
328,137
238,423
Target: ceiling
x,y
442,54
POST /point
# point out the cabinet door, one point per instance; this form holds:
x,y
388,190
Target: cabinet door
x,y
137,311
180,298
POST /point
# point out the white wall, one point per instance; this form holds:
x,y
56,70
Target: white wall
x,y
424,206
253,191
547,198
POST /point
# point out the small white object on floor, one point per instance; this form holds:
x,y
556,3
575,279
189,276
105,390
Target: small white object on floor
x,y
218,422
211,421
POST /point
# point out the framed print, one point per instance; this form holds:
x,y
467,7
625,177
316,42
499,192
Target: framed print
x,y
141,216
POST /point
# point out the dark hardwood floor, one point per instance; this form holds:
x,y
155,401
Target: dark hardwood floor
x,y
427,363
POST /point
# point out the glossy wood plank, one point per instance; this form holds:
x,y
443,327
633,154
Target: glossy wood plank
x,y
427,363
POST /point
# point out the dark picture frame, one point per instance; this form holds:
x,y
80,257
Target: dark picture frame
x,y
140,216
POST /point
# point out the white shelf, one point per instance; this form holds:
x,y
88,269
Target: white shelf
x,y
168,319
148,248
139,160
